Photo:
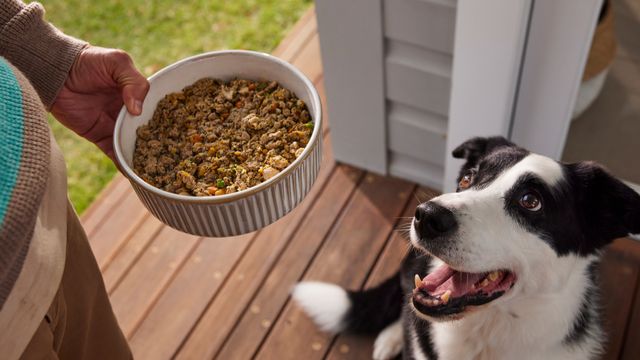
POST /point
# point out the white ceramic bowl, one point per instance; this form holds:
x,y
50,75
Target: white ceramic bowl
x,y
243,211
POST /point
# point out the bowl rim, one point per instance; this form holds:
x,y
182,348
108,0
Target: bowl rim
x,y
220,199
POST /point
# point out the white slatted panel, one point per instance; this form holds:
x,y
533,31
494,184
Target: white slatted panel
x,y
389,58
417,133
419,42
416,169
429,24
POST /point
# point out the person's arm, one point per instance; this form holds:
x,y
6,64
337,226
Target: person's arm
x,y
40,51
83,86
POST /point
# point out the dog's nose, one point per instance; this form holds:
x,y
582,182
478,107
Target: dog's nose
x,y
433,220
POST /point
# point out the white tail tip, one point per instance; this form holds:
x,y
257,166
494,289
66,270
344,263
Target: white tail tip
x,y
326,304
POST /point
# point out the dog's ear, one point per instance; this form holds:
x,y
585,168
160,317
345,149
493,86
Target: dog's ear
x,y
610,208
476,148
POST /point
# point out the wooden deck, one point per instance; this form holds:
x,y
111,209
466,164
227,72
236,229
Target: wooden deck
x,y
180,296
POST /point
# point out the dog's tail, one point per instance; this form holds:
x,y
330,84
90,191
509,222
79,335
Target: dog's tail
x,y
335,309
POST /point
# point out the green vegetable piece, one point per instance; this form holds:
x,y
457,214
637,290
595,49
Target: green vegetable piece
x,y
309,125
220,184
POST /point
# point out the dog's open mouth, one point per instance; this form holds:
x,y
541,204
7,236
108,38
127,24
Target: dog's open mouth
x,y
446,292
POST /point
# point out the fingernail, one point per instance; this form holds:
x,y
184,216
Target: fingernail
x,y
137,106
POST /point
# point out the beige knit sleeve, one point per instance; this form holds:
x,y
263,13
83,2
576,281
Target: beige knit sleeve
x,y
41,52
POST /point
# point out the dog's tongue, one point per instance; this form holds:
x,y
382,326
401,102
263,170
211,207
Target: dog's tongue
x,y
445,278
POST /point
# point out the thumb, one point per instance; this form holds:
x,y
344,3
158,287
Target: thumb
x,y
133,85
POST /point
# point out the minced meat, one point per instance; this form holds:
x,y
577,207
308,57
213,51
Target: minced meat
x,y
215,138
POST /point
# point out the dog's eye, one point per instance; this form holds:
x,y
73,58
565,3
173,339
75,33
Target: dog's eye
x,y
465,182
531,201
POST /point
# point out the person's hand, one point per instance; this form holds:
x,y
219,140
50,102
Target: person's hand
x,y
99,82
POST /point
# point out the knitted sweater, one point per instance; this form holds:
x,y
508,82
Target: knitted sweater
x,y
29,46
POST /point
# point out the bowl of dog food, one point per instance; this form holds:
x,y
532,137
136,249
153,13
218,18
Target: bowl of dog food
x,y
228,142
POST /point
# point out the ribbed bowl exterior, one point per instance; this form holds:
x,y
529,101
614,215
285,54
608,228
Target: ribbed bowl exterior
x,y
243,215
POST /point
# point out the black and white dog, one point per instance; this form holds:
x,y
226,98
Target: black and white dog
x,y
504,268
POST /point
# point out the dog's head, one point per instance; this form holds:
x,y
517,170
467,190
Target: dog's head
x,y
516,226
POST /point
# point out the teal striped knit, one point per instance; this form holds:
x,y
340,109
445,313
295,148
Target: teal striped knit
x,y
35,59
11,128
24,161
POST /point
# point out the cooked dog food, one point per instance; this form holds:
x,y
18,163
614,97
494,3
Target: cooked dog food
x,y
216,138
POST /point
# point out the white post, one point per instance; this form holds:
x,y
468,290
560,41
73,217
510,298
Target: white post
x,y
351,40
559,40
489,41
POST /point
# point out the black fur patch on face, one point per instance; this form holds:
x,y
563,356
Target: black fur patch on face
x,y
587,317
584,212
494,164
487,158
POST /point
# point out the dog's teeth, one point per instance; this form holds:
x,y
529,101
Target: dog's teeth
x,y
417,280
445,297
493,276
484,283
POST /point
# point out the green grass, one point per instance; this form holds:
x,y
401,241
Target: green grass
x,y
156,33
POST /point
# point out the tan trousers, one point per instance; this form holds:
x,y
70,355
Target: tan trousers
x,y
80,323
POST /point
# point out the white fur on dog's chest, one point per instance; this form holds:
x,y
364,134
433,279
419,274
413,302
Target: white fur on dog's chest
x,y
535,332
474,341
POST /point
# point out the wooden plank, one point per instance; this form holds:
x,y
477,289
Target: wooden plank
x,y
631,348
308,59
349,346
323,99
629,250
102,196
271,270
617,299
136,243
101,208
299,35
179,307
354,76
147,280
345,259
626,247
123,220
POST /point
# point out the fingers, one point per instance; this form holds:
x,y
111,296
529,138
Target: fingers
x,y
133,85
